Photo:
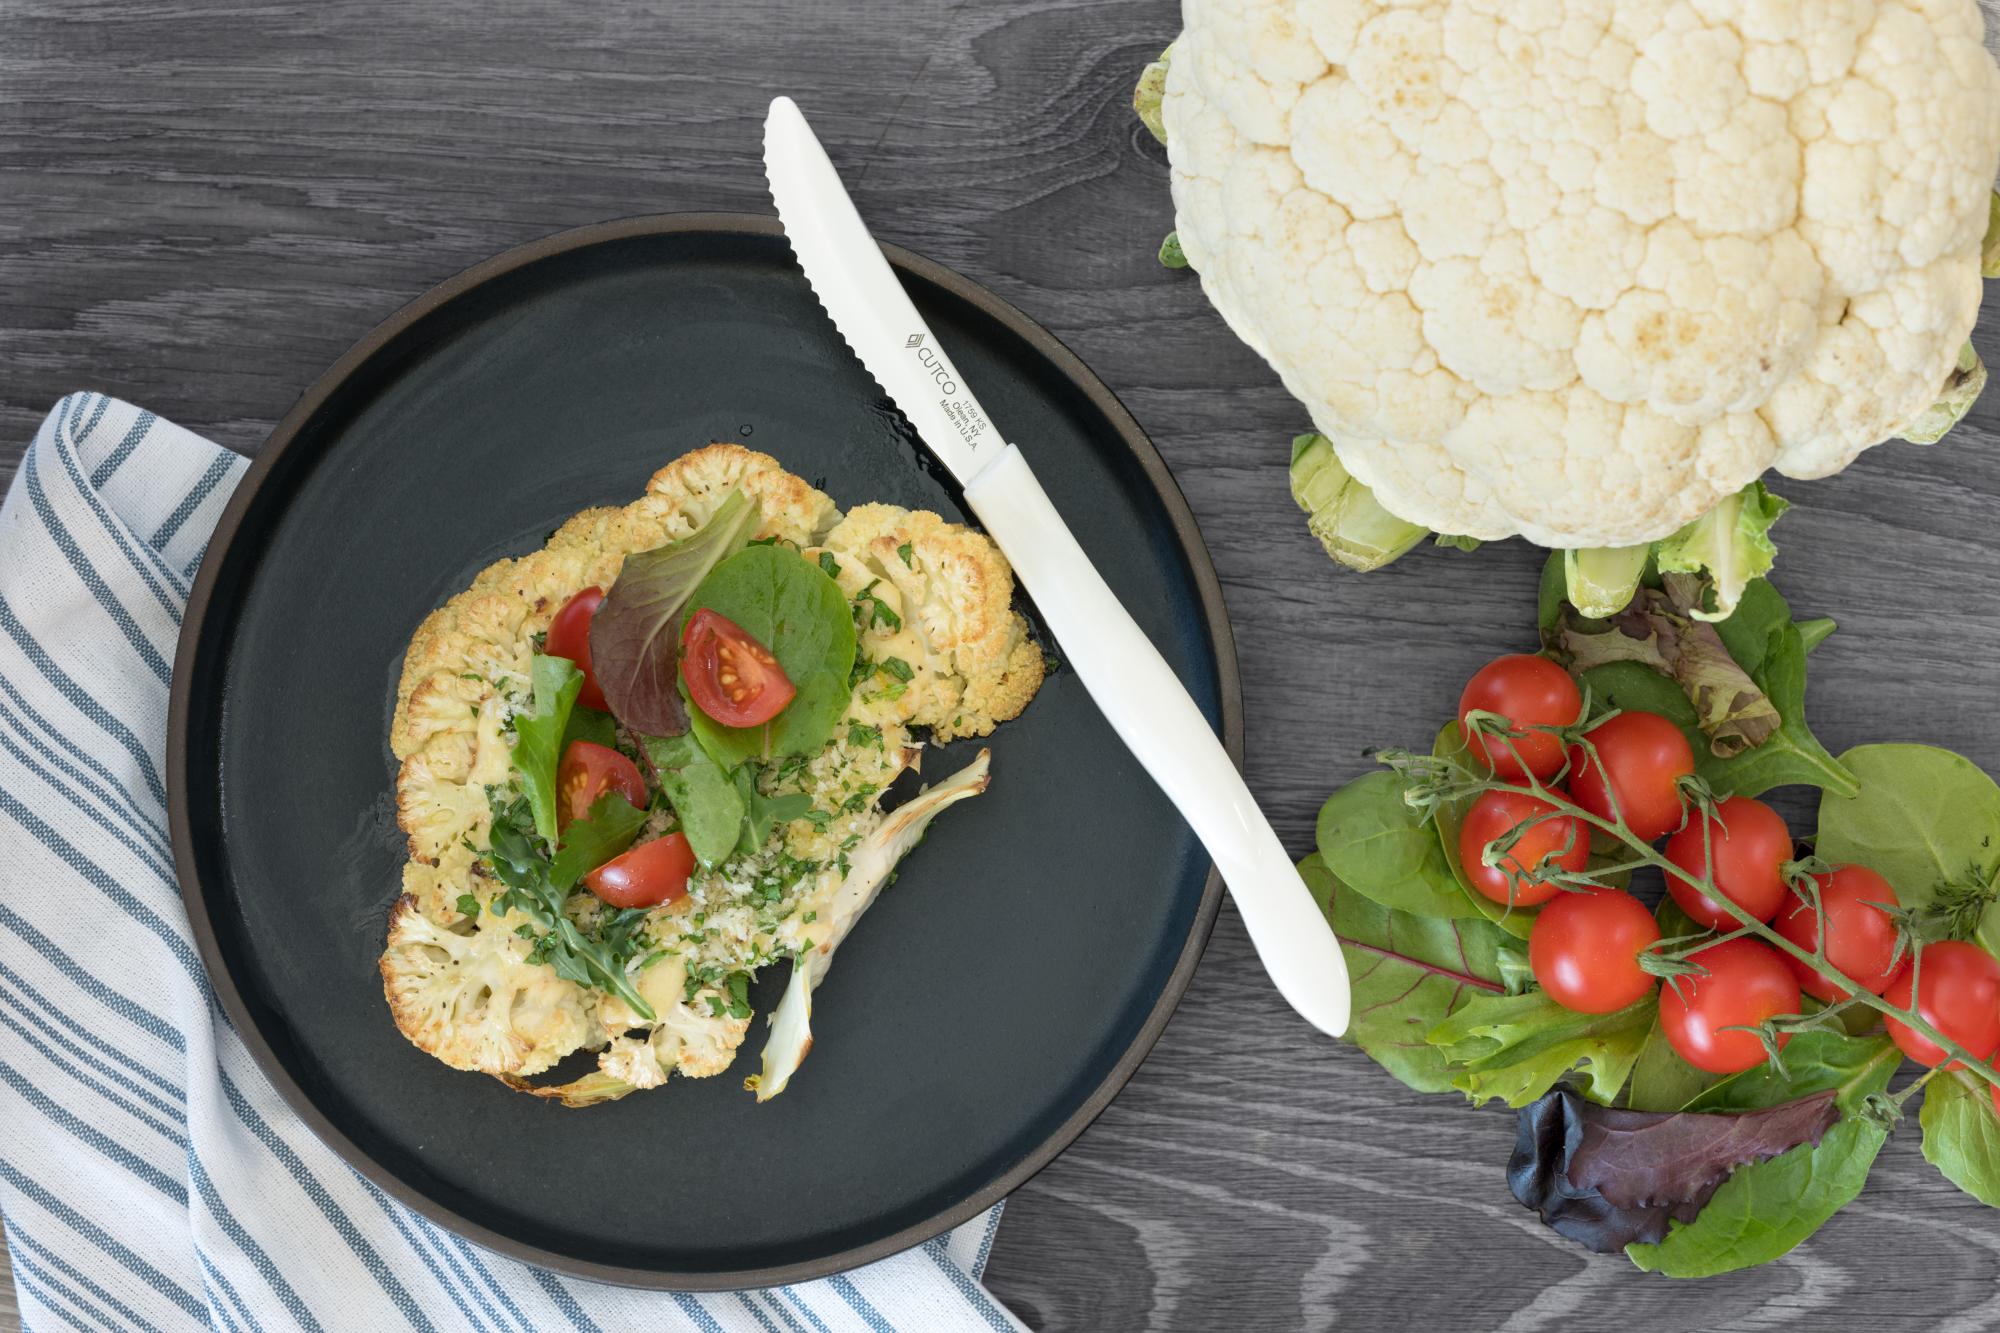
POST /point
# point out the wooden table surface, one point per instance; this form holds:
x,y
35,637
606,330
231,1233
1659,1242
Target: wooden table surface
x,y
204,204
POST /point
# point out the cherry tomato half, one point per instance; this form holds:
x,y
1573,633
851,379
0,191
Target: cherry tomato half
x,y
1585,948
1747,982
1497,813
1645,757
1860,937
1528,691
1958,994
650,874
1751,842
730,676
588,771
569,636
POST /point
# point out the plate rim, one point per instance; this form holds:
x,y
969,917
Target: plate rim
x,y
284,436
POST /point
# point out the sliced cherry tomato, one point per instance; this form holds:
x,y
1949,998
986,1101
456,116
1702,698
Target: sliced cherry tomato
x,y
1497,813
650,874
1645,757
1958,994
588,771
1860,936
1747,982
1585,949
569,636
1751,842
730,676
1529,691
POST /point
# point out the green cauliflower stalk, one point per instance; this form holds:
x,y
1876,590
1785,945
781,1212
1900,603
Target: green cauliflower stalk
x,y
1960,391
1170,251
1989,249
1728,546
1601,580
1344,514
1147,96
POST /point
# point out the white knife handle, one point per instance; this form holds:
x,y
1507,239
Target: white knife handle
x,y
1153,714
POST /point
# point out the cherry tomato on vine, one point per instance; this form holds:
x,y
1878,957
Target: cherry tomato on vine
x,y
1860,936
1528,691
588,771
1497,813
1751,842
650,874
1958,993
1585,947
569,636
1747,982
730,676
1645,757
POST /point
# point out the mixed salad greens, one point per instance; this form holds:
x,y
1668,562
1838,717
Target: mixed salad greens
x,y
1704,1082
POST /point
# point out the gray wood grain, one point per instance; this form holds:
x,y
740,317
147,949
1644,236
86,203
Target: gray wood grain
x,y
205,203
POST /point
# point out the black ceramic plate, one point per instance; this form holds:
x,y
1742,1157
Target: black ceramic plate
x,y
987,1008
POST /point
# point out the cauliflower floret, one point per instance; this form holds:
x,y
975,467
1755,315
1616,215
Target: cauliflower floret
x,y
476,1003
1578,270
948,594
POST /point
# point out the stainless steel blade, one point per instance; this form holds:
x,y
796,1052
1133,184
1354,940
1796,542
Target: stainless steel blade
x,y
867,304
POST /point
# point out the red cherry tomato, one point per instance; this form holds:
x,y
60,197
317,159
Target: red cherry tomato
x,y
569,636
1528,691
1747,982
1645,756
1585,948
1751,842
730,676
1498,812
1958,989
1860,937
587,772
650,874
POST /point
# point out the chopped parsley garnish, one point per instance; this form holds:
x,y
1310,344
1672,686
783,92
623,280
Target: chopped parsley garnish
x,y
468,906
861,733
872,610
904,552
830,564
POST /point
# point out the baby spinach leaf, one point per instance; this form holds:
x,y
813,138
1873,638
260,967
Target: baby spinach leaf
x,y
1514,1048
1607,1178
704,797
1815,1062
538,737
588,843
1446,822
1926,820
1661,1080
635,638
1376,844
1962,1134
1767,1208
789,605
1408,973
590,724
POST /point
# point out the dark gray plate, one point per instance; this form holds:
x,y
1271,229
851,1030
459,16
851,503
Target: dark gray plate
x,y
993,1001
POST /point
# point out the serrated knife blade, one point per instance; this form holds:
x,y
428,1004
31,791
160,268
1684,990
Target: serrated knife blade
x,y
1132,685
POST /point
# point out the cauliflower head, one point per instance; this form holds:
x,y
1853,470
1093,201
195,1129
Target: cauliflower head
x,y
1578,270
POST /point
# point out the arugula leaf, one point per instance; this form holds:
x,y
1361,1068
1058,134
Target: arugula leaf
x,y
591,841
791,607
595,958
538,736
704,797
1962,1134
1372,840
763,813
635,637
1926,820
1408,973
1514,1048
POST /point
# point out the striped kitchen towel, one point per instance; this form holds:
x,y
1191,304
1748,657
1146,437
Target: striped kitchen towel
x,y
149,1177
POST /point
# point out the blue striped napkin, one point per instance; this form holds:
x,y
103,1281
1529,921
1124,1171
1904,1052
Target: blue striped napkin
x,y
149,1177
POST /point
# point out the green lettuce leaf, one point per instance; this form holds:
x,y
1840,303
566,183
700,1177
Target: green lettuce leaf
x,y
538,737
1514,1048
1408,974
1962,1134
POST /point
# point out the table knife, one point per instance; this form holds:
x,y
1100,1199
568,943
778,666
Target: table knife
x,y
1130,682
